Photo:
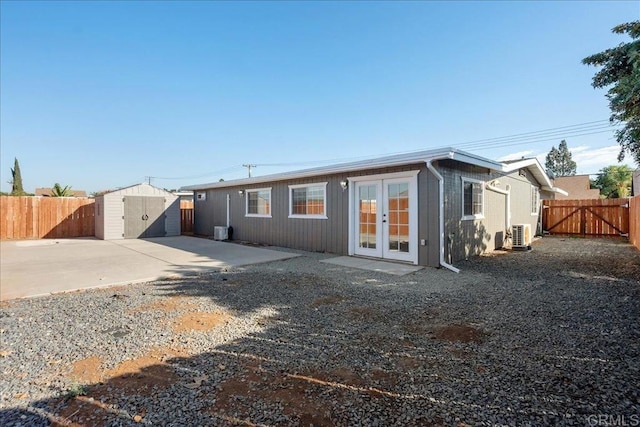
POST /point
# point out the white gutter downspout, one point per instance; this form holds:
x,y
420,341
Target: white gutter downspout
x,y
441,211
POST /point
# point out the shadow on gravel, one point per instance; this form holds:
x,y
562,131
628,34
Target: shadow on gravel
x,y
541,337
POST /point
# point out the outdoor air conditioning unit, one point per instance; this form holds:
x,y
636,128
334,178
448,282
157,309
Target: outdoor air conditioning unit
x,y
521,236
220,233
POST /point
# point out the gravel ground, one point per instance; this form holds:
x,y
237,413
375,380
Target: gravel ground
x,y
550,336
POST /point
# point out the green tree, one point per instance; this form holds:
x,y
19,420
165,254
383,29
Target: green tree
x,y
621,73
614,181
16,180
559,162
60,191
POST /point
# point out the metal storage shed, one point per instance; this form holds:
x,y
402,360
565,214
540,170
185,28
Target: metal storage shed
x,y
138,211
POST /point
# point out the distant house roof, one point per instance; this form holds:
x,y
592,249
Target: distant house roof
x,y
47,191
532,165
578,187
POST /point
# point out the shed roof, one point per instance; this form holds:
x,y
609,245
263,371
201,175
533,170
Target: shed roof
x,y
143,186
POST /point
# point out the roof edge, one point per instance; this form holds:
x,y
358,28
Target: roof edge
x,y
536,169
387,161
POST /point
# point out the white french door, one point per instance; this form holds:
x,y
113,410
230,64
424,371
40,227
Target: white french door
x,y
385,218
368,223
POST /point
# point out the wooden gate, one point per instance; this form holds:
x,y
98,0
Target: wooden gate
x,y
186,216
591,217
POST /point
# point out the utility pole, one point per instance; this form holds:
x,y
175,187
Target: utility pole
x,y
250,167
148,178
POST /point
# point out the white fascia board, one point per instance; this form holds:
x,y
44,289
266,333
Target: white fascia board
x,y
536,169
389,161
555,190
465,157
396,160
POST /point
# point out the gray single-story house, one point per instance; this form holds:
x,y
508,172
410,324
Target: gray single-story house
x,y
430,208
140,210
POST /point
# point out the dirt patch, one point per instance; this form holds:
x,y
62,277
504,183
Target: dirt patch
x,y
364,313
408,363
384,378
330,300
237,394
200,321
139,376
91,371
87,370
459,353
149,368
307,397
85,410
458,333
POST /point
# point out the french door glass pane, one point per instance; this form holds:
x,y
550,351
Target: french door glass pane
x,y
398,216
367,199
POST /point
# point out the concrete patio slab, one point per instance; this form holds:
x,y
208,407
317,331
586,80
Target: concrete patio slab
x,y
396,269
39,267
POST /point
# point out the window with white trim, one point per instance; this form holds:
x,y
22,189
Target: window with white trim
x,y
259,202
472,199
308,201
535,200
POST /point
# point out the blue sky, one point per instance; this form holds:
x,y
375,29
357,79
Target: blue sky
x,y
98,95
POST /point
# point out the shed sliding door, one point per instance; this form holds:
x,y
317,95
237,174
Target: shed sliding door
x,y
144,217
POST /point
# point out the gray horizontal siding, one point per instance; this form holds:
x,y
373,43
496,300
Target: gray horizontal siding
x,y
316,235
473,237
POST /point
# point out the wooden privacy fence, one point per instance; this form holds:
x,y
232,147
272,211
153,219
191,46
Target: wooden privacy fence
x,y
186,216
591,217
46,217
634,221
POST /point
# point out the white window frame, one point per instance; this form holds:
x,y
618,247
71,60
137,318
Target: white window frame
x,y
308,216
246,203
535,206
474,216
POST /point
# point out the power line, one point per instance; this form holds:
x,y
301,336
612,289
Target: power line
x,y
533,137
218,172
580,129
545,135
561,129
510,144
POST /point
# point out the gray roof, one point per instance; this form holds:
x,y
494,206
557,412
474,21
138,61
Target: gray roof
x,y
387,161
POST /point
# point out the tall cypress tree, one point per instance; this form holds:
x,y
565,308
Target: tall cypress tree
x,y
16,183
559,163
